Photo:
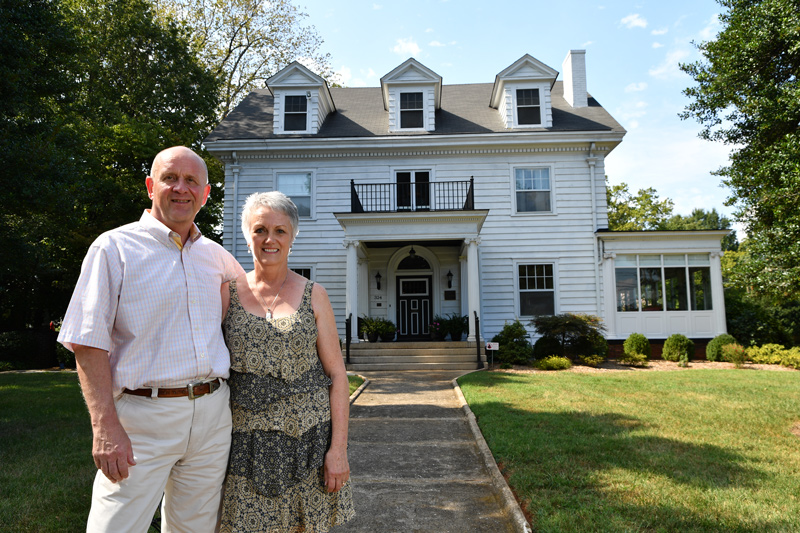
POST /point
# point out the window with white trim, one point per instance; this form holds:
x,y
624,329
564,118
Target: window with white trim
x,y
537,294
297,186
669,282
295,113
529,108
533,191
303,271
411,110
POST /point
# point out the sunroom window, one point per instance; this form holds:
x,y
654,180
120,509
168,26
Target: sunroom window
x,y
676,282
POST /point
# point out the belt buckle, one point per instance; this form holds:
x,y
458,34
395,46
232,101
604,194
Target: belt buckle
x,y
190,388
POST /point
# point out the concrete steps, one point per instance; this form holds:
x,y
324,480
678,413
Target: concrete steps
x,y
391,356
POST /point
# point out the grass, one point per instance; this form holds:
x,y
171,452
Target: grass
x,y
706,450
355,382
46,467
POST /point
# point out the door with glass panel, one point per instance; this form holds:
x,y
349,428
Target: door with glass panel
x,y
414,300
413,190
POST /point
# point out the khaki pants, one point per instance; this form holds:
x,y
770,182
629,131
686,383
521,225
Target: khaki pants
x,y
181,449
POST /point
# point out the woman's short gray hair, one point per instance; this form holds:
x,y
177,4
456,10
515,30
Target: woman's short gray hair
x,y
274,200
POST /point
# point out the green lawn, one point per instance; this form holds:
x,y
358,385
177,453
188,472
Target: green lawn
x,y
355,382
698,450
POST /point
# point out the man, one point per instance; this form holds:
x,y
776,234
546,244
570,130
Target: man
x,y
144,323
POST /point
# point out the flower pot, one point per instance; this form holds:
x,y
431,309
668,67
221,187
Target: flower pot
x,y
455,336
372,337
436,336
387,337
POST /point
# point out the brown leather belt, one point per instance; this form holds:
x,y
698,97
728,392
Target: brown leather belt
x,y
192,390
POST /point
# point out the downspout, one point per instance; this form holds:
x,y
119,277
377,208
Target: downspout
x,y
591,159
234,206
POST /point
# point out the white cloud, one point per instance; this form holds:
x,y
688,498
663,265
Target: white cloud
x,y
586,44
634,21
429,30
366,78
668,69
658,45
635,87
436,44
711,30
659,32
406,47
629,114
377,6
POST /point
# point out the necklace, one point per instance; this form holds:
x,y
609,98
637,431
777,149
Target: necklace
x,y
268,314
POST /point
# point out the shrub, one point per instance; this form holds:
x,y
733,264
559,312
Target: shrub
x,y
714,347
553,362
636,344
633,359
547,346
791,358
769,354
675,345
734,353
515,347
592,360
684,360
578,334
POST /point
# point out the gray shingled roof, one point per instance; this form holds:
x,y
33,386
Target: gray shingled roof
x,y
360,113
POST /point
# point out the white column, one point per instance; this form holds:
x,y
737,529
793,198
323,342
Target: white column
x,y
351,287
609,295
473,287
717,293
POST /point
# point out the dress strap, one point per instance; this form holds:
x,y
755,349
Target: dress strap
x,y
234,292
307,294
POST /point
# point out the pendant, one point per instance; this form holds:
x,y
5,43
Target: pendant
x,y
269,313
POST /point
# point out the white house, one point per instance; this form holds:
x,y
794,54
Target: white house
x,y
488,199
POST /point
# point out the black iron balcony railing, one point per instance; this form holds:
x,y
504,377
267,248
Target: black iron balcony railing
x,y
416,196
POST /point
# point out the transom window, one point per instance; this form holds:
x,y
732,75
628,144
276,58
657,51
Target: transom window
x,y
529,110
663,282
533,190
411,114
294,114
537,295
297,186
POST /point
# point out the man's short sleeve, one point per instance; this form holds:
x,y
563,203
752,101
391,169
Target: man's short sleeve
x,y
90,316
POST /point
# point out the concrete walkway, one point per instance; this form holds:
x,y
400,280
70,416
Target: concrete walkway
x,y
416,463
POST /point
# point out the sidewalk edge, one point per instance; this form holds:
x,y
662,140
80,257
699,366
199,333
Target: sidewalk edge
x,y
510,502
359,390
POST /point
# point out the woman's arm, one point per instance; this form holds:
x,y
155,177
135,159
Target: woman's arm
x,y
337,468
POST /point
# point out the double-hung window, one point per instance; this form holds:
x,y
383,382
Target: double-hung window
x,y
295,113
537,294
529,110
533,190
297,186
411,111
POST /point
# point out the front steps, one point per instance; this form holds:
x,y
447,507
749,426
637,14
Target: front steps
x,y
390,356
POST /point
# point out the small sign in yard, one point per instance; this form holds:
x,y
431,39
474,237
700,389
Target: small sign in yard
x,y
492,345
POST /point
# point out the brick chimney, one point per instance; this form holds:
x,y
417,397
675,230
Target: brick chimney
x,y
574,68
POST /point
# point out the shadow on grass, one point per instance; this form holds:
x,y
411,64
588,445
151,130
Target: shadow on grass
x,y
581,471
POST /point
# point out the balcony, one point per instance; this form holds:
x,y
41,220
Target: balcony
x,y
412,196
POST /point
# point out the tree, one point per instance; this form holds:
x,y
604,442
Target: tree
x,y
748,96
701,219
247,41
635,213
91,92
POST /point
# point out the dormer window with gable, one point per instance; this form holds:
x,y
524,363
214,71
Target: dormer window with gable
x,y
411,110
529,110
302,101
295,113
411,95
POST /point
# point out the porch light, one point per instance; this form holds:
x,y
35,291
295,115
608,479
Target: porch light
x,y
412,252
449,280
378,279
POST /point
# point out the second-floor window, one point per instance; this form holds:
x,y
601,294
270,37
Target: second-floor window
x,y
294,116
297,186
528,107
411,113
533,190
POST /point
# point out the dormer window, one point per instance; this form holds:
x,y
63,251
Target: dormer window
x,y
411,111
528,107
295,113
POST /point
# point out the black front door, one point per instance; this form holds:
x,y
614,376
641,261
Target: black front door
x,y
413,307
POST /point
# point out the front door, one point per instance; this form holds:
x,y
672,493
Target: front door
x,y
414,299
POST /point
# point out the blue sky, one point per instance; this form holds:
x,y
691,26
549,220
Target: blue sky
x,y
632,55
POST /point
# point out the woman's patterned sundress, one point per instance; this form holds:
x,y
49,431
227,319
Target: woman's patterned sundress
x,y
281,425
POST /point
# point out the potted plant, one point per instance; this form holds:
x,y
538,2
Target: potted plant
x,y
456,326
437,328
370,328
386,330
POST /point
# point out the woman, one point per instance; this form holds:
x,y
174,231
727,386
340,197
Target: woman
x,y
288,468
